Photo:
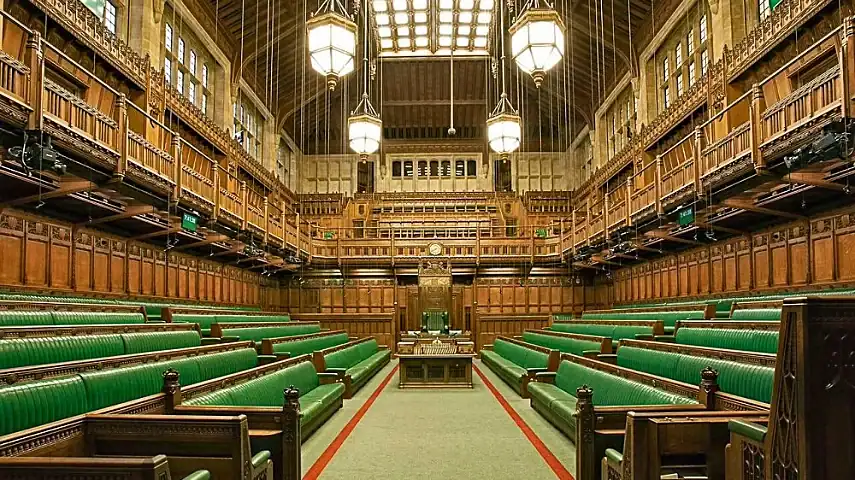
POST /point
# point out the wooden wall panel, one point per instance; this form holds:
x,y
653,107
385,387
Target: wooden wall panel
x,y
48,256
807,254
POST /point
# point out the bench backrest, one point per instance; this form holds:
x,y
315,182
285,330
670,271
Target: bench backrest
x,y
351,355
764,341
756,314
741,379
520,355
669,318
264,391
35,403
22,352
577,345
24,318
257,334
311,344
612,390
615,330
206,320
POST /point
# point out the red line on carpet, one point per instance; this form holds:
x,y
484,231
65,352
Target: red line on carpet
x,y
547,455
333,448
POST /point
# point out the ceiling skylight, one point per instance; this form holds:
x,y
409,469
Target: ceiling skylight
x,y
433,27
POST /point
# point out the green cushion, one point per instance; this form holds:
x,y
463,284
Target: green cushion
x,y
562,344
764,341
15,318
258,334
309,345
753,431
745,380
21,352
757,314
143,342
31,404
92,318
611,390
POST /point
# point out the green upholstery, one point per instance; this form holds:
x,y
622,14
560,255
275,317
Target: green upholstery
x,y
742,379
753,431
22,352
434,320
764,341
562,317
669,319
615,330
258,334
575,346
205,321
510,362
12,318
16,318
756,314
558,401
360,361
35,403
267,391
203,474
309,345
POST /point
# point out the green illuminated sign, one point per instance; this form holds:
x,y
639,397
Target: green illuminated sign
x,y
329,235
541,232
686,216
189,222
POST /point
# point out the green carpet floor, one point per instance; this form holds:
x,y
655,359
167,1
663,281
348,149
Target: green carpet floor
x,y
421,434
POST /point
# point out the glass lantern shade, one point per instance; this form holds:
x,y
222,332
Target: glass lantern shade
x,y
537,42
364,133
503,133
332,46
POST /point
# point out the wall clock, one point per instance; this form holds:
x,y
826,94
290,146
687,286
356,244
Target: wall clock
x,y
435,249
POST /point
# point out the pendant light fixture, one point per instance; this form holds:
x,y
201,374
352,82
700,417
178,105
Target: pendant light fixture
x,y
364,128
537,39
332,41
504,130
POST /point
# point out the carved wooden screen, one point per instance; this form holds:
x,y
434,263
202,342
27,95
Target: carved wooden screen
x,y
435,287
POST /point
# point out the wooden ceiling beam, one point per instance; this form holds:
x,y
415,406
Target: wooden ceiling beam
x,y
67,186
131,211
751,207
814,179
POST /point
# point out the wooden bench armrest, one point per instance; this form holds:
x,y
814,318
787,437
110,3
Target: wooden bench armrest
x,y
328,377
665,338
211,341
199,475
644,336
608,358
265,359
545,377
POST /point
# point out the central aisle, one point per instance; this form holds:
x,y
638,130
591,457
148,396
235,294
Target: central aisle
x,y
434,433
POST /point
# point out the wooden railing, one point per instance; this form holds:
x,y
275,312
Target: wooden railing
x,y
196,183
14,76
645,191
726,137
617,203
69,110
596,218
151,148
231,196
679,172
814,99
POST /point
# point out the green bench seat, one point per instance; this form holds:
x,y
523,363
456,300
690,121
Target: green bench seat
x,y
511,362
756,314
669,319
357,363
23,318
615,331
557,401
576,346
741,379
205,321
301,347
31,404
763,341
257,334
317,402
23,352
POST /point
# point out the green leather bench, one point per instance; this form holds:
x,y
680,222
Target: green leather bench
x,y
39,402
745,380
516,362
756,314
11,318
294,346
240,331
553,394
582,345
764,341
669,318
22,352
614,329
354,362
317,401
206,321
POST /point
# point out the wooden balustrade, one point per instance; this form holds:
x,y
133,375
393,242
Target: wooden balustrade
x,y
678,174
230,199
814,99
197,183
14,76
617,203
68,110
644,198
596,218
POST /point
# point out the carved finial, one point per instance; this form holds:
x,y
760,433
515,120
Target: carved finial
x,y
584,394
709,375
171,380
292,397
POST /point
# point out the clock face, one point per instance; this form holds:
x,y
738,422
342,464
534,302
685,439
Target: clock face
x,y
434,249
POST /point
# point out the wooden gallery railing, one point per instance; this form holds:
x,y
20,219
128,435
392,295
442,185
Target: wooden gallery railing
x,y
813,391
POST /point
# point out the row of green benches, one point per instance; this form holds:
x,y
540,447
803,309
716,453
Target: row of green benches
x,y
351,364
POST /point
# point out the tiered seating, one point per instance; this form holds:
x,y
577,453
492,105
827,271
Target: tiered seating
x,y
257,332
354,362
517,362
320,394
582,345
208,317
668,315
20,352
9,318
294,346
615,329
29,404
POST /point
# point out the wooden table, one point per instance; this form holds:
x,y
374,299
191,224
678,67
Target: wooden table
x,y
435,371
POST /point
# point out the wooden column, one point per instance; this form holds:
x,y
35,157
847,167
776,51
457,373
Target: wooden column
x,y
628,201
176,167
848,67
171,390
122,120
35,96
586,463
216,210
266,221
756,127
709,387
244,207
291,458
698,158
658,185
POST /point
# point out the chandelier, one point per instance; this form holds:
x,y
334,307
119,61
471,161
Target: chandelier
x,y
504,130
364,127
332,41
537,39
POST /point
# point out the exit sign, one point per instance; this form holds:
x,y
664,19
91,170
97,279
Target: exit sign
x,y
189,222
686,216
540,232
329,235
